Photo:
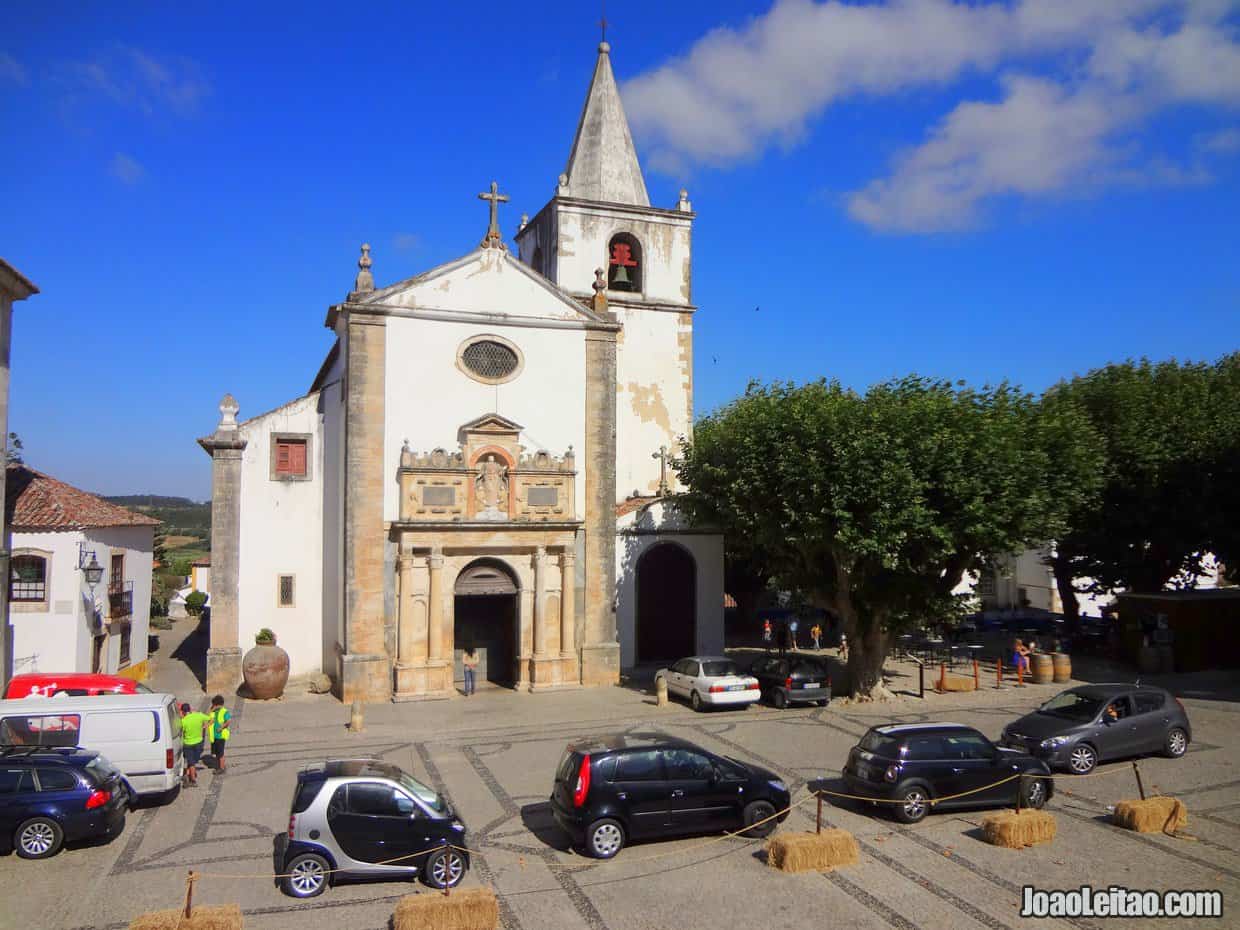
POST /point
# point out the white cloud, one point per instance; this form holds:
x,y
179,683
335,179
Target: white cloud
x,y
135,79
1223,142
11,70
126,169
1074,80
407,242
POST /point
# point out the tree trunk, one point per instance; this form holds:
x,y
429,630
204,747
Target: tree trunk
x,y
867,650
1062,568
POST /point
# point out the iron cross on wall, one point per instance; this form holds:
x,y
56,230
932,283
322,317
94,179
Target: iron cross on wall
x,y
496,199
661,455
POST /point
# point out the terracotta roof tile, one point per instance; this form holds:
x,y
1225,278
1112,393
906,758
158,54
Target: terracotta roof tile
x,y
36,501
628,505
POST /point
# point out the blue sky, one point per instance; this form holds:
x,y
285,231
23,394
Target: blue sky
x,y
982,191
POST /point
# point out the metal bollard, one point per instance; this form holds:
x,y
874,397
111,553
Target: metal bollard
x,y
977,676
660,692
357,720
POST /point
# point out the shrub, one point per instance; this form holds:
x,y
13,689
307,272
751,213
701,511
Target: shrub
x,y
265,637
194,603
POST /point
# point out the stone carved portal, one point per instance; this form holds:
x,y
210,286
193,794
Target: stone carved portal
x,y
485,616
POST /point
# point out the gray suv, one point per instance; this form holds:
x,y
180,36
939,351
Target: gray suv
x,y
366,819
1080,727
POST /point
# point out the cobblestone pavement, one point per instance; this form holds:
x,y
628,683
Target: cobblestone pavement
x,y
494,755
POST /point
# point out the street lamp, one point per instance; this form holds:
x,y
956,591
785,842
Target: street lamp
x,y
92,570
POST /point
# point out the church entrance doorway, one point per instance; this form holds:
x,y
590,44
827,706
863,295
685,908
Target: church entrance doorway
x,y
666,604
485,616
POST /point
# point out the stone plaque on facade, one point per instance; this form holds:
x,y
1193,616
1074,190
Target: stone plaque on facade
x,y
438,496
543,497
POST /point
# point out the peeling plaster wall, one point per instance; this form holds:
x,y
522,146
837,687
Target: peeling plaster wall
x,y
282,534
583,234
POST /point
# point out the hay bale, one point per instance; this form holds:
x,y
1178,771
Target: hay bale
x,y
469,909
812,852
957,683
1153,815
210,917
1018,829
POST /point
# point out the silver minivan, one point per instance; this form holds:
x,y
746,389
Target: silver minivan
x,y
139,733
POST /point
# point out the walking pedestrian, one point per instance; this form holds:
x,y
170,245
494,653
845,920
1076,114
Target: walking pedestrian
x,y
766,633
816,632
842,652
221,732
792,631
194,725
470,661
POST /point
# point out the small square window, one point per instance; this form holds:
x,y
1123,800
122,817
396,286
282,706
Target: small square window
x,y
286,591
291,458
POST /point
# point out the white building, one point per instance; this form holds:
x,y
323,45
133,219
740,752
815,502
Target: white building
x,y
59,622
456,472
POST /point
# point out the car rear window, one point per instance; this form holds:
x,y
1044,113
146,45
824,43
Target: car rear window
x,y
307,791
808,667
56,779
881,744
718,668
569,764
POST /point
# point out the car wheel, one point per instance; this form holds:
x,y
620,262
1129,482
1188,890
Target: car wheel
x,y
759,819
1033,792
695,701
822,703
1177,743
914,804
306,876
604,839
1082,759
779,699
445,869
38,838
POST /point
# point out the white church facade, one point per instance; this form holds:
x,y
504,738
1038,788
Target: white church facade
x,y
481,460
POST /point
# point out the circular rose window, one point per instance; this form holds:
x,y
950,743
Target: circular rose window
x,y
490,360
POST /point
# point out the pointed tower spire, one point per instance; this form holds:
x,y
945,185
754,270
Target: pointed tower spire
x,y
603,163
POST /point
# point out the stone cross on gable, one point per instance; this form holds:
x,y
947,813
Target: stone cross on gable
x,y
493,236
661,455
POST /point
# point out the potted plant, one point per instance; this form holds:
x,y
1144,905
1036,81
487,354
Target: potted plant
x,y
265,667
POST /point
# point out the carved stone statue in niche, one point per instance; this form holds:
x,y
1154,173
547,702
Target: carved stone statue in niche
x,y
491,489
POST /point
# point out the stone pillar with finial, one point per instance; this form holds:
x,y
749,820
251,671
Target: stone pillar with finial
x,y
599,304
364,283
225,446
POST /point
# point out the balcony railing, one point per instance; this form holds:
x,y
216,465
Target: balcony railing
x,y
120,600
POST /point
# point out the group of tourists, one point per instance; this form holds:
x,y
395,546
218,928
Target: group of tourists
x,y
787,636
197,729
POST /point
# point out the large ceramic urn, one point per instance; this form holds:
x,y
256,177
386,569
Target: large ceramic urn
x,y
265,670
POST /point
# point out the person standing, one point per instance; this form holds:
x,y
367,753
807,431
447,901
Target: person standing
x,y
816,632
220,730
766,633
194,726
470,661
792,631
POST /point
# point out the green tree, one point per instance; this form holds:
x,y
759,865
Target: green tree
x,y
194,603
876,505
13,451
1171,438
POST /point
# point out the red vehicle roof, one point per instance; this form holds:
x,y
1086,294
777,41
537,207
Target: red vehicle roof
x,y
49,683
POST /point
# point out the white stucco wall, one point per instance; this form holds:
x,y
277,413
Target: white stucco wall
x,y
428,398
282,534
638,532
58,639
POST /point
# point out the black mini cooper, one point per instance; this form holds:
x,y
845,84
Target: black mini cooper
x,y
626,786
915,764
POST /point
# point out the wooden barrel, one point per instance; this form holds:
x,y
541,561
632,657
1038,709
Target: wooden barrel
x,y
1062,663
1043,669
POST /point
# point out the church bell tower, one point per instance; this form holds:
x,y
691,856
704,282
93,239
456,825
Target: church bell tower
x,y
601,217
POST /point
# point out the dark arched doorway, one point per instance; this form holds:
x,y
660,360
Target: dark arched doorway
x,y
666,603
485,616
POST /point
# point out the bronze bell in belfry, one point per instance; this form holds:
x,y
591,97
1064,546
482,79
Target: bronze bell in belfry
x,y
621,277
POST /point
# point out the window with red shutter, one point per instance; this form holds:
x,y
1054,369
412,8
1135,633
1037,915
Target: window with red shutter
x,y
291,457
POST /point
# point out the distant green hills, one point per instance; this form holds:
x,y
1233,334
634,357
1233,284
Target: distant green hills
x,y
180,515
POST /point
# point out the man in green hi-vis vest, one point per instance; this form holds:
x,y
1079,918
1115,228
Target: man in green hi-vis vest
x,y
220,730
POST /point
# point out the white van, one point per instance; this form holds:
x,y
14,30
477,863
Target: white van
x,y
139,733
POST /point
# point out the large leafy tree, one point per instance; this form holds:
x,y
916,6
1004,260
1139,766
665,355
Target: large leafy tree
x,y
1171,433
876,505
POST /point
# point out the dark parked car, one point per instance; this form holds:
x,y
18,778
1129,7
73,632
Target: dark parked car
x,y
368,819
50,796
1080,727
628,786
792,679
913,764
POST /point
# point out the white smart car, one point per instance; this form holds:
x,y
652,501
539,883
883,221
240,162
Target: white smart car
x,y
710,681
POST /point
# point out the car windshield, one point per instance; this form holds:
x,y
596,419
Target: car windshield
x,y
421,792
717,668
1072,705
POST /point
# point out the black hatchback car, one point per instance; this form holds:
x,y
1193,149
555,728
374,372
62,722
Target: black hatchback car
x,y
914,764
1078,728
613,789
50,796
792,679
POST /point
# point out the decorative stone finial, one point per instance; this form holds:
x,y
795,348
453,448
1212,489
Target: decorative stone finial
x,y
604,48
525,221
600,281
562,185
494,238
228,413
683,205
365,281
405,446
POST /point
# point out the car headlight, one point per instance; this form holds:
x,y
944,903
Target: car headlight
x,y
1054,742
777,784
